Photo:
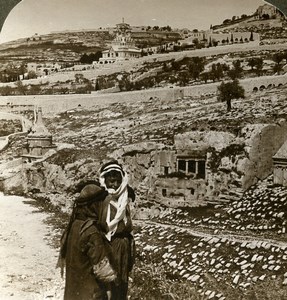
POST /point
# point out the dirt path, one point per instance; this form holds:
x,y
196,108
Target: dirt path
x,y
27,262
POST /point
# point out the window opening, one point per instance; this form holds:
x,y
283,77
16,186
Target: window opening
x,y
163,192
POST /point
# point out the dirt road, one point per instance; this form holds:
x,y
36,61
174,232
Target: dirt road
x,y
27,262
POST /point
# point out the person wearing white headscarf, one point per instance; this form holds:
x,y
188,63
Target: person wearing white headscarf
x,y
97,247
116,214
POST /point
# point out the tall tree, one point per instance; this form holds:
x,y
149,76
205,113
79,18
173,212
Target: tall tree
x,y
205,76
21,89
251,63
236,71
229,91
277,68
196,67
217,71
257,63
278,58
259,66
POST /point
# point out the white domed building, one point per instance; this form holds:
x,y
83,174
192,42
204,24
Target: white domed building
x,y
122,48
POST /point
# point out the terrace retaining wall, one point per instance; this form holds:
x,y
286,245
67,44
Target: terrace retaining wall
x,y
60,103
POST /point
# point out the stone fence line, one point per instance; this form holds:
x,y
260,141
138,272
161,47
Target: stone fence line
x,y
52,104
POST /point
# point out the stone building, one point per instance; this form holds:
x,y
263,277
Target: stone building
x,y
122,47
39,140
200,35
280,166
267,11
181,179
43,69
34,38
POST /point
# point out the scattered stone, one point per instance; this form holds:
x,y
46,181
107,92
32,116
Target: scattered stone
x,y
236,279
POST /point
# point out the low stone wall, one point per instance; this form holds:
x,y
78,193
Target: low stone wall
x,y
59,103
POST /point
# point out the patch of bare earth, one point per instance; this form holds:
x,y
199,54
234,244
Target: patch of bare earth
x,y
27,261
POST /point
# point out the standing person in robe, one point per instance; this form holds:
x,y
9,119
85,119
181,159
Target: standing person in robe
x,y
97,247
116,213
85,251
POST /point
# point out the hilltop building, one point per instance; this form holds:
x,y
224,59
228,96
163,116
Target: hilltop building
x,y
122,47
39,140
267,11
196,34
34,38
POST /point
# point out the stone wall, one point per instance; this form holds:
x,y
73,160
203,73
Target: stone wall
x,y
180,192
59,103
52,104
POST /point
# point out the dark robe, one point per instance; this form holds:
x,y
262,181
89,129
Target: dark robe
x,y
85,249
123,250
84,246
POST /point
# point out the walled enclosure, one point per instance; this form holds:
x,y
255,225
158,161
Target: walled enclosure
x,y
59,103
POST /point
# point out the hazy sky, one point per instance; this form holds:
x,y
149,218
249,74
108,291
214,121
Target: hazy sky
x,y
43,16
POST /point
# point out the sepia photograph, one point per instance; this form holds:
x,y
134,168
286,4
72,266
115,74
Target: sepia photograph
x,y
143,150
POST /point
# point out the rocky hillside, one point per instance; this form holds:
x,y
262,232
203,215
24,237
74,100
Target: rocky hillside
x,y
71,45
57,47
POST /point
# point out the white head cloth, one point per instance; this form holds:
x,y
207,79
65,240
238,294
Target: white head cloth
x,y
121,194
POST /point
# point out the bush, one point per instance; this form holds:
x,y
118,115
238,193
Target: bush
x,y
149,282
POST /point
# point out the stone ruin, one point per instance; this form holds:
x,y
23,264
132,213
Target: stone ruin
x,y
39,140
